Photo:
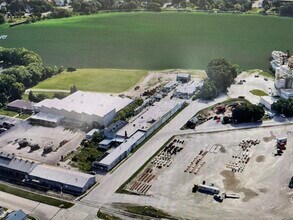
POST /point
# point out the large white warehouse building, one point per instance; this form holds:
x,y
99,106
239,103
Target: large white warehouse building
x,y
84,107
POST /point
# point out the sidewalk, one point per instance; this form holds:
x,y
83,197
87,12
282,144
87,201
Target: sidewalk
x,y
36,209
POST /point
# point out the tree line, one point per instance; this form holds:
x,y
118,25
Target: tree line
x,y
222,5
35,8
13,9
282,8
22,69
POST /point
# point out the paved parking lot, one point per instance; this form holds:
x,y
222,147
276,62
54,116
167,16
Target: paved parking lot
x,y
251,83
41,136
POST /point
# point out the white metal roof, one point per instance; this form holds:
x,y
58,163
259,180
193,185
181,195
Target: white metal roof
x,y
46,117
60,175
269,99
110,158
14,163
87,102
183,75
145,120
91,132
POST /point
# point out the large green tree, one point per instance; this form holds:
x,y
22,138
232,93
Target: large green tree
x,y
86,6
221,73
22,69
208,90
2,18
16,91
284,106
18,56
247,113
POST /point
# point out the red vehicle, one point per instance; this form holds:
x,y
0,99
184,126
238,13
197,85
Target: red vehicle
x,y
281,147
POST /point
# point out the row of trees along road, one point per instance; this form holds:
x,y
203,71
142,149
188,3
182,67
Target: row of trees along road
x,y
22,69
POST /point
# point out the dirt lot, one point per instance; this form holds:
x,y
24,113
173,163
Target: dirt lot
x,y
41,136
262,185
155,78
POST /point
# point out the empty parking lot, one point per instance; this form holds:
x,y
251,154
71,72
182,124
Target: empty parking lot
x,y
61,140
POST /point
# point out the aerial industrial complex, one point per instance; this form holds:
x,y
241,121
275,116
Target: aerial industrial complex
x,y
87,147
137,131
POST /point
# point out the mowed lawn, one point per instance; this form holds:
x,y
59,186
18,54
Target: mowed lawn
x,y
148,40
95,80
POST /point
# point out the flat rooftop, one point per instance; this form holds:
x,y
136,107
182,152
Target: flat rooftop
x,y
47,117
289,92
87,102
145,120
110,158
188,88
61,175
269,99
21,104
184,75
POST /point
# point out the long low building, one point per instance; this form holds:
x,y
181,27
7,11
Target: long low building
x,y
21,106
151,118
61,179
29,172
137,131
84,107
122,151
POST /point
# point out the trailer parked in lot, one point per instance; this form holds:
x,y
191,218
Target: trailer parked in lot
x,y
208,189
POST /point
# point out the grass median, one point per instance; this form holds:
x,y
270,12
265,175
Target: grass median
x,y
36,197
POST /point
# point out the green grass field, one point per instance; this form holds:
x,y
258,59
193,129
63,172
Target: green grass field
x,y
148,40
7,112
96,80
258,92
